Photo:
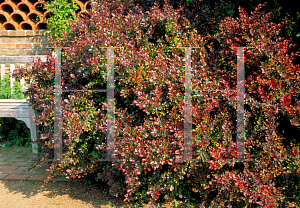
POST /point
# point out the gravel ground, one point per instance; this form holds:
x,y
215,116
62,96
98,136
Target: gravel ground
x,y
32,194
73,194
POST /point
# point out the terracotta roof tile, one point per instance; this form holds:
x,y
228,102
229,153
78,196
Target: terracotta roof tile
x,y
22,14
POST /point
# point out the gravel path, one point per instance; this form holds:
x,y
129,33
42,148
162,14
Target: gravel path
x,y
30,194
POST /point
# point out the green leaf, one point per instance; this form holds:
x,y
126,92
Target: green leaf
x,y
95,154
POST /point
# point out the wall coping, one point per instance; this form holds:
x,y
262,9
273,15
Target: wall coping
x,y
18,33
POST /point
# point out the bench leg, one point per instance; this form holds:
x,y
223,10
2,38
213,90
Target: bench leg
x,y
29,123
33,131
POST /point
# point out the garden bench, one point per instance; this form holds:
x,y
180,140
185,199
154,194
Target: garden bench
x,y
19,109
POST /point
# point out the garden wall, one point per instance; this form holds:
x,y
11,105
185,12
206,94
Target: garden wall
x,y
20,43
20,33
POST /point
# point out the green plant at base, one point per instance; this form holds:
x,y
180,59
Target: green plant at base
x,y
29,147
17,91
8,143
188,2
5,90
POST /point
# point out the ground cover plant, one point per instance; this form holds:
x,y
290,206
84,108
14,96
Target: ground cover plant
x,y
149,113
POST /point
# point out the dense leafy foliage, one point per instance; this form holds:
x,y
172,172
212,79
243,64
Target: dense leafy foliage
x,y
149,92
62,15
205,15
14,132
282,11
17,91
5,89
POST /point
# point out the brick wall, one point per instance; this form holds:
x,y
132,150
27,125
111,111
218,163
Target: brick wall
x,y
19,34
20,43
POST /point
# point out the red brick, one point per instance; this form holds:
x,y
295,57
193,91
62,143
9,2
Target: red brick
x,y
16,177
40,32
27,46
11,46
30,160
21,33
22,164
2,46
22,168
4,163
2,175
37,178
13,33
35,39
29,33
8,167
24,52
5,33
10,40
11,52
12,172
23,39
17,160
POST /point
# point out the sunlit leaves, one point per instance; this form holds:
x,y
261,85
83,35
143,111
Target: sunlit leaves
x,y
149,113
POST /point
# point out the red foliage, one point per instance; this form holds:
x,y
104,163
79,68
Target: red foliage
x,y
151,72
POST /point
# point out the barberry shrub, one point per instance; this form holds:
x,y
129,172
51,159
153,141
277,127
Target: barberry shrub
x,y
149,113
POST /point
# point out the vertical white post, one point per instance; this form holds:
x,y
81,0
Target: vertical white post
x,y
31,79
111,105
240,126
2,71
58,110
33,131
12,80
22,81
188,107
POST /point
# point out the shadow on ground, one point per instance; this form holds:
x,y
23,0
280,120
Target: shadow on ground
x,y
77,193
65,194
